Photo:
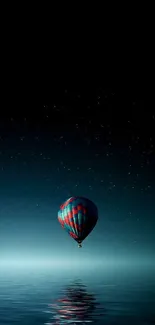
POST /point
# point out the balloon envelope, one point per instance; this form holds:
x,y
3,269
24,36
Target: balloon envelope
x,y
78,216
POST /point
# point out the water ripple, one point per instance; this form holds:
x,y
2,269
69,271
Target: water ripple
x,y
75,305
49,299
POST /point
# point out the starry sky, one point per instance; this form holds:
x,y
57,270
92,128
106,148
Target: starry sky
x,y
95,142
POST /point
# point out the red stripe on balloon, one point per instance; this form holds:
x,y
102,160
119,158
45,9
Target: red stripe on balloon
x,y
61,222
74,210
62,206
73,235
80,207
68,217
84,210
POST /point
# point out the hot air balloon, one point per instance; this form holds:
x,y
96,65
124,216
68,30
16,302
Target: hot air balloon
x,y
78,216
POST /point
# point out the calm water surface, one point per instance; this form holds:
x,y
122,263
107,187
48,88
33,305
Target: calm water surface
x,y
122,296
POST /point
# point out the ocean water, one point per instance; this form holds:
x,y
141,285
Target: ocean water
x,y
99,296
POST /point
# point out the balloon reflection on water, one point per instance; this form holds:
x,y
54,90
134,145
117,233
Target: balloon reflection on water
x,y
74,307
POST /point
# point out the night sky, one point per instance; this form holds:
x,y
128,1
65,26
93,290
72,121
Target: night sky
x,y
95,142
